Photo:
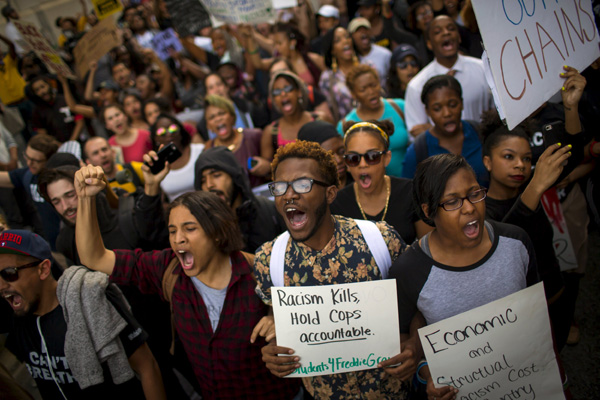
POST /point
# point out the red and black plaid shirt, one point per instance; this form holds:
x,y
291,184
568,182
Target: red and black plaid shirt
x,y
226,364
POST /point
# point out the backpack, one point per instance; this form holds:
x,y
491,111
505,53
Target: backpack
x,y
168,285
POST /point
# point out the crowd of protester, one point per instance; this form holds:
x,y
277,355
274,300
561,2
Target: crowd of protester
x,y
151,204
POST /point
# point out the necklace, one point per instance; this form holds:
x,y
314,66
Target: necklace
x,y
387,199
236,140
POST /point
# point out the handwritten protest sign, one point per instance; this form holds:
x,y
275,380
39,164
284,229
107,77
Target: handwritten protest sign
x,y
241,11
338,328
42,49
165,41
502,350
104,8
561,240
279,4
528,42
188,16
94,44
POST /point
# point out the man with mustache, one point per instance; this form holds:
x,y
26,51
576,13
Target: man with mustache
x,y
218,171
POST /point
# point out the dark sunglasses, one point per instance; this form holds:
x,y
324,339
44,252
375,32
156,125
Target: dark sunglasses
x,y
372,157
286,89
404,64
11,274
300,186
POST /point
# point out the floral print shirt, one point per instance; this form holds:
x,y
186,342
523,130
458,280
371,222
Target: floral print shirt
x,y
336,82
345,259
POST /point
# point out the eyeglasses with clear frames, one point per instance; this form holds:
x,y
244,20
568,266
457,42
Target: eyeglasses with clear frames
x,y
473,197
300,186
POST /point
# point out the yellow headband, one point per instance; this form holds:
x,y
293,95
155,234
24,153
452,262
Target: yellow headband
x,y
367,125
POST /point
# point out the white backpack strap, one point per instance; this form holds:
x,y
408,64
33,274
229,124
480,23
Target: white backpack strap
x,y
278,258
376,244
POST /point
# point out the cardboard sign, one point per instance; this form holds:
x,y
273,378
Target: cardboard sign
x,y
104,8
338,328
563,247
241,11
502,350
42,49
188,16
164,42
94,44
528,42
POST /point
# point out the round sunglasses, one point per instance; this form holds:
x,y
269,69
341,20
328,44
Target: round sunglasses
x,y
171,129
372,157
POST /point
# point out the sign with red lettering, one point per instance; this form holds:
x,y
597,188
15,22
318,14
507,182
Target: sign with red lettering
x,y
563,247
42,49
528,42
502,350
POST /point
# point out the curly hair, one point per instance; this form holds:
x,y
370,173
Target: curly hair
x,y
310,150
385,125
216,218
358,70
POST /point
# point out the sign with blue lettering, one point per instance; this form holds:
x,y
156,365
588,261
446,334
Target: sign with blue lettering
x,y
528,42
166,41
502,350
338,328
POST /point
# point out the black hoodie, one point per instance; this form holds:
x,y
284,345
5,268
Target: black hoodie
x,y
257,216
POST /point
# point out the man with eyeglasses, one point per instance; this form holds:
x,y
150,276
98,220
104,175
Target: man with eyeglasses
x,y
321,249
217,170
38,328
39,149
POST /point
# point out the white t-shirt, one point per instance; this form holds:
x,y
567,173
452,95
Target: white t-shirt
x,y
477,96
379,58
180,181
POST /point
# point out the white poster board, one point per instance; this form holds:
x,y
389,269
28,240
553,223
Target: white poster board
x,y
338,328
240,11
528,42
502,350
39,44
561,240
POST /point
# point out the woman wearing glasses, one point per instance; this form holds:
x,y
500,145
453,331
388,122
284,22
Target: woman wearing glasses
x,y
167,129
374,195
363,82
289,96
466,261
404,65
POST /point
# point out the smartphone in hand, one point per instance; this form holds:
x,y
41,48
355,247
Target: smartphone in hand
x,y
168,153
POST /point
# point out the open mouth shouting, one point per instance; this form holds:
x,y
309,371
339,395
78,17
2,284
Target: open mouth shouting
x,y
222,130
365,181
296,217
286,106
186,259
15,301
471,229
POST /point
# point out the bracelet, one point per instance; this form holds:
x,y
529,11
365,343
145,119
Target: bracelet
x,y
253,51
421,365
592,153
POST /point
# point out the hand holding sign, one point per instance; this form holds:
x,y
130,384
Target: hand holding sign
x,y
276,362
572,88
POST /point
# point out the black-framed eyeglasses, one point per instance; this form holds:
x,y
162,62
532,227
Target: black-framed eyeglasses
x,y
286,89
300,186
372,157
473,197
404,64
11,274
33,160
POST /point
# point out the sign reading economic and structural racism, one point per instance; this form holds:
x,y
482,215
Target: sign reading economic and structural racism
x,y
241,11
104,8
94,44
188,16
528,42
502,350
338,328
563,247
165,41
42,49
